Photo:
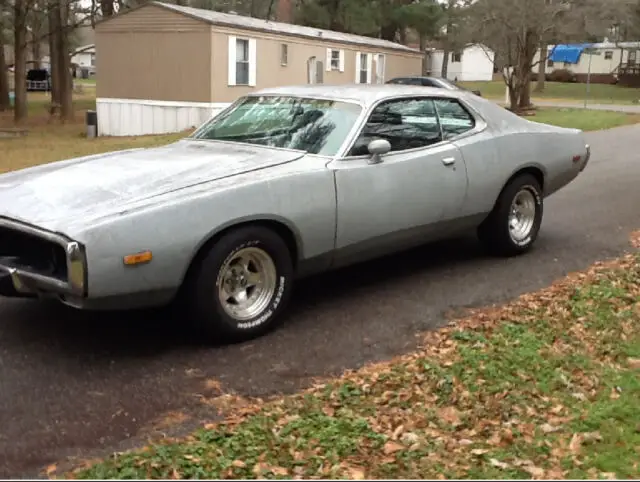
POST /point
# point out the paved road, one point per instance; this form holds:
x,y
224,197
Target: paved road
x,y
72,383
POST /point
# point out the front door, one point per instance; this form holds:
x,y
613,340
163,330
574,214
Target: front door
x,y
400,201
312,72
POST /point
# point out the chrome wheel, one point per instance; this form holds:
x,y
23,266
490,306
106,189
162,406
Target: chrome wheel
x,y
522,215
247,283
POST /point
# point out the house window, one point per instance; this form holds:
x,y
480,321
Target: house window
x,y
93,60
456,57
550,63
364,68
335,59
284,54
242,62
608,55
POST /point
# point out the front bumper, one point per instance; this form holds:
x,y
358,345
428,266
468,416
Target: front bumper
x,y
22,279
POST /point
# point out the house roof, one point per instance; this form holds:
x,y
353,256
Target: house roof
x,y
84,48
250,23
605,45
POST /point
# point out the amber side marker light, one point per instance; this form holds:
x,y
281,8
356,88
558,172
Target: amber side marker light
x,y
138,258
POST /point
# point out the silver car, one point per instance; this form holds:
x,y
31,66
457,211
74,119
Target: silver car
x,y
284,183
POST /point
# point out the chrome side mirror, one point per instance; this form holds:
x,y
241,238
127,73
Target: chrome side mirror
x,y
377,148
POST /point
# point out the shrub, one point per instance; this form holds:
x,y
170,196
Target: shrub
x,y
562,75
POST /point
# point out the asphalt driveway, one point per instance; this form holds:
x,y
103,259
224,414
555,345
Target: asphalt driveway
x,y
73,383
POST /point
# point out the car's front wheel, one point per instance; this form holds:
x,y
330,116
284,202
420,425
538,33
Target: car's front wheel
x,y
514,224
241,286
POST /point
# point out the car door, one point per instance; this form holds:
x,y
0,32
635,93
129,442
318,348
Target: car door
x,y
478,147
399,201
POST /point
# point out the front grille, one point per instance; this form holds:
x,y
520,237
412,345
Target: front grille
x,y
32,253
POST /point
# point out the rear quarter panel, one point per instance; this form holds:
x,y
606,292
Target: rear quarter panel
x,y
300,195
509,144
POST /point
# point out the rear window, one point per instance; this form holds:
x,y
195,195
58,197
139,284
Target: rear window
x,y
406,81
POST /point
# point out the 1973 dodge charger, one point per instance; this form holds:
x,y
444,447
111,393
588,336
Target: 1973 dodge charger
x,y
284,183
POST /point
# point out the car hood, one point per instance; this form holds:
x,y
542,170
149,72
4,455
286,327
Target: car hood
x,y
97,185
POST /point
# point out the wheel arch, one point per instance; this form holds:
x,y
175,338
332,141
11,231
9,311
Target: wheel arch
x,y
280,226
536,170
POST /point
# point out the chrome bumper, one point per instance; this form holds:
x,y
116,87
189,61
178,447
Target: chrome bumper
x,y
26,282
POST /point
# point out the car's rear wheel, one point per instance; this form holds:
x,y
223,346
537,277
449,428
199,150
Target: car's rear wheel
x,y
241,285
513,226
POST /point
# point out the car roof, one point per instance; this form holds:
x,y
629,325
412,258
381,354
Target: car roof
x,y
362,93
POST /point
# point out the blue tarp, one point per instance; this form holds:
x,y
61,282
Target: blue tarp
x,y
567,53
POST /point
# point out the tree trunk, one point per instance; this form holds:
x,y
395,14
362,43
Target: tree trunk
x,y
524,70
54,27
4,80
35,52
542,68
425,55
445,63
64,63
20,66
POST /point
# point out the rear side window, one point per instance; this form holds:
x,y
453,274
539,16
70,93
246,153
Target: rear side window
x,y
454,118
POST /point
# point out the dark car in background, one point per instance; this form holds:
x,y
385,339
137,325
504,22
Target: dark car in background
x,y
430,82
38,80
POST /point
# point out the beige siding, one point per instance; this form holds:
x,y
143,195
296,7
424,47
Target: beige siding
x,y
154,54
271,73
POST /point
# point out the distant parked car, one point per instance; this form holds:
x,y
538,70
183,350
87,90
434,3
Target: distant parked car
x,y
38,80
436,82
286,182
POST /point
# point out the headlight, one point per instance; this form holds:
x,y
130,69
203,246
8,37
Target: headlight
x,y
77,269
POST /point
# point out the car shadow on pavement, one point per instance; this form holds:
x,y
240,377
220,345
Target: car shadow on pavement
x,y
148,333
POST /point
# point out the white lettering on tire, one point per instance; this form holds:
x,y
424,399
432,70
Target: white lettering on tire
x,y
269,311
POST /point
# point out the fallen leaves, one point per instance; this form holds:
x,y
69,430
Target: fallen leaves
x,y
450,415
497,389
634,363
392,447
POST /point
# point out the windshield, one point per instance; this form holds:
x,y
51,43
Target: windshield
x,y
316,126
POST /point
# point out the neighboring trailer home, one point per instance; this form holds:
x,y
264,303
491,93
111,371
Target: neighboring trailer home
x,y
165,68
473,63
606,66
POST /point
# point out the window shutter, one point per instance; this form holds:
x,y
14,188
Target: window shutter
x,y
358,54
252,62
328,62
232,61
341,60
369,67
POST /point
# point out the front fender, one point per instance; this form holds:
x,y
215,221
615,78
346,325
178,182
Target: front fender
x,y
300,195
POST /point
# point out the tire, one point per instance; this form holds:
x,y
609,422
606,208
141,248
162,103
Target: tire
x,y
269,257
496,233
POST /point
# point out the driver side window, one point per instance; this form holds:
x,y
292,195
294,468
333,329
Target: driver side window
x,y
405,123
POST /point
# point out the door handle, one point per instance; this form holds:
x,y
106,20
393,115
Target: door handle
x,y
447,161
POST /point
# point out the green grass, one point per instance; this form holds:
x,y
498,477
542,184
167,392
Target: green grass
x,y
560,91
48,140
584,119
546,387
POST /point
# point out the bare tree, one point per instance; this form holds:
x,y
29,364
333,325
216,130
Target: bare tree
x,y
517,27
4,79
62,12
36,26
20,12
54,26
